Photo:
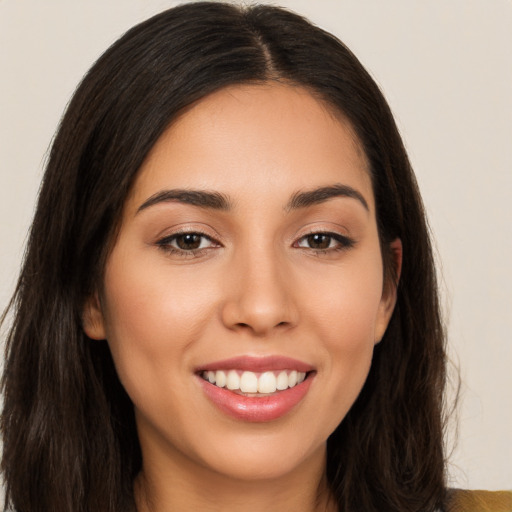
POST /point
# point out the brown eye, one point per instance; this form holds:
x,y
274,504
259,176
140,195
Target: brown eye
x,y
189,241
325,242
186,243
319,241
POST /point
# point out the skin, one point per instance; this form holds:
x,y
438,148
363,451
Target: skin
x,y
257,286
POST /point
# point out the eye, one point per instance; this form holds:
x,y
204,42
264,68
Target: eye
x,y
325,242
189,242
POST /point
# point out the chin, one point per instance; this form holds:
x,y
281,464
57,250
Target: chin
x,y
263,455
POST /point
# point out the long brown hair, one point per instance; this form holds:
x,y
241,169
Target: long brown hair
x,y
68,427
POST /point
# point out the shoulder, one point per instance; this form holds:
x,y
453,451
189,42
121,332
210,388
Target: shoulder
x,y
462,500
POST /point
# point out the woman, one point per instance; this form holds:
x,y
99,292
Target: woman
x,y
228,297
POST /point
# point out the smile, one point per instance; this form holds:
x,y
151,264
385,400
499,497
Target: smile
x,y
256,389
252,383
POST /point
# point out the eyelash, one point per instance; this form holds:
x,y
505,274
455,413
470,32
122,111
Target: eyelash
x,y
343,243
165,244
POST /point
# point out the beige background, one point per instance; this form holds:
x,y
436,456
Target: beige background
x,y
446,69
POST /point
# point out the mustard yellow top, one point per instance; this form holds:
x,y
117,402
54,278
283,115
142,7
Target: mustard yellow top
x,y
461,500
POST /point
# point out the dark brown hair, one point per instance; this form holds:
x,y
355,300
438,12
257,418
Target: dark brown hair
x,y
68,428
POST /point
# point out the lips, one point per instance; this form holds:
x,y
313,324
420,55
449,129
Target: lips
x,y
258,364
256,389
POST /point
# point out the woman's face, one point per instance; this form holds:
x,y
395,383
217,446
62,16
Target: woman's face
x,y
248,255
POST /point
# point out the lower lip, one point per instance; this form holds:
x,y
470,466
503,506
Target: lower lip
x,y
254,409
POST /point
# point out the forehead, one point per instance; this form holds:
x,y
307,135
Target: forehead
x,y
265,138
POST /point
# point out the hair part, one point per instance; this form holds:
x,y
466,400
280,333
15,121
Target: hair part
x,y
68,426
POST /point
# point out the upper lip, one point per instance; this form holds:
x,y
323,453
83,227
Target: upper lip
x,y
257,364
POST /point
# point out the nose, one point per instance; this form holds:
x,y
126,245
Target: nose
x,y
259,294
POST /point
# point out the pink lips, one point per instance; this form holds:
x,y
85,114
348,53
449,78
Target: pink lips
x,y
256,409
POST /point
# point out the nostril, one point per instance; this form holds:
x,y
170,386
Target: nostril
x,y
245,325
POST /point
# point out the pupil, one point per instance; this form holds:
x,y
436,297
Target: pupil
x,y
319,241
189,241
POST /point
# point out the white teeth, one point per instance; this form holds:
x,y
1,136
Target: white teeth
x,y
220,379
267,383
250,382
282,381
233,380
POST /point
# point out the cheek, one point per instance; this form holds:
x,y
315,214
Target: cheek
x,y
348,338
347,307
343,316
345,370
151,319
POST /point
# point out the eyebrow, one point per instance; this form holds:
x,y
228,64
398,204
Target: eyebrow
x,y
322,194
217,201
201,198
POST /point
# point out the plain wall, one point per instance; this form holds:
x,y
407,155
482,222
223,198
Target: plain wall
x,y
445,67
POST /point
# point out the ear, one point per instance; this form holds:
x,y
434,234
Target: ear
x,y
93,322
389,292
